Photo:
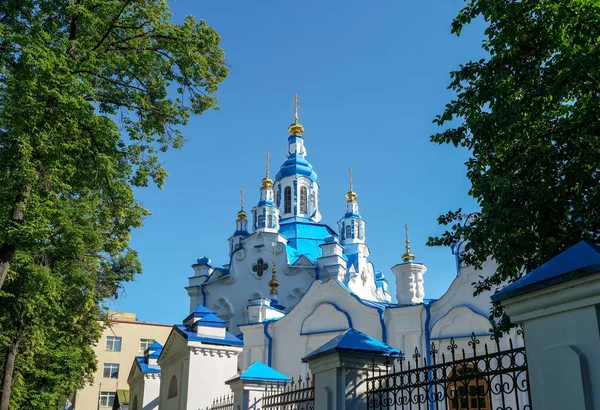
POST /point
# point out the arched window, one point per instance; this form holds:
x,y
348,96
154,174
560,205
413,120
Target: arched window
x,y
277,198
134,406
303,200
172,388
261,221
348,232
467,391
287,200
361,228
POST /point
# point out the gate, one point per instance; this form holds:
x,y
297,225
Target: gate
x,y
298,395
474,378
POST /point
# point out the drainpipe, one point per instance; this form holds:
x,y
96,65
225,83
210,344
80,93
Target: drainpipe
x,y
270,342
383,328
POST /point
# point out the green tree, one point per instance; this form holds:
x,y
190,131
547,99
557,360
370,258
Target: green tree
x,y
91,92
530,115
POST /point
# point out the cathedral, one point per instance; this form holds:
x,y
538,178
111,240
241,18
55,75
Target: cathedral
x,y
293,284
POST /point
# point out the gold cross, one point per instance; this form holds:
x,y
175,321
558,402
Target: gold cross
x,y
296,105
350,171
407,241
268,157
243,195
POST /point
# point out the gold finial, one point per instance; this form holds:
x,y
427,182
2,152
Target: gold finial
x,y
351,195
242,214
296,128
274,283
408,256
266,182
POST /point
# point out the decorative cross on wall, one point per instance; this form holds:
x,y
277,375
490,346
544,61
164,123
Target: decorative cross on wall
x,y
260,267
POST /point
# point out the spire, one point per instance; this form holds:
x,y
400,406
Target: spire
x,y
242,214
265,213
241,227
351,195
408,256
274,283
296,128
267,182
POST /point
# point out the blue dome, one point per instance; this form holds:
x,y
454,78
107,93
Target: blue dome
x,y
296,165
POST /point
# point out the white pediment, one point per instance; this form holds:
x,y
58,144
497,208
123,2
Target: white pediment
x,y
460,321
325,318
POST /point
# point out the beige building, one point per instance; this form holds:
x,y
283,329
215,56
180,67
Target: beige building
x,y
119,345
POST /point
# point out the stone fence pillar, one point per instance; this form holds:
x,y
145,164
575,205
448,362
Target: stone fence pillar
x,y
340,369
558,306
249,387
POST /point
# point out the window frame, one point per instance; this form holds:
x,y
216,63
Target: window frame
x,y
111,368
456,398
147,341
348,231
287,200
303,200
170,393
108,395
111,340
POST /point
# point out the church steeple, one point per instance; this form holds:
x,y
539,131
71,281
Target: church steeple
x,y
265,214
352,226
241,227
296,187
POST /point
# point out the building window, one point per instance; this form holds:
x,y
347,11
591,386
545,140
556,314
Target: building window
x,y
111,370
273,221
107,398
277,198
303,200
172,388
361,229
261,221
113,344
260,267
134,406
287,200
348,232
468,393
145,344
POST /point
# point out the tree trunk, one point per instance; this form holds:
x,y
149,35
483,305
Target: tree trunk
x,y
9,368
7,250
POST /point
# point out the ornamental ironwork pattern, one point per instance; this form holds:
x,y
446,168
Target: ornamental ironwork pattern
x,y
473,378
295,395
223,403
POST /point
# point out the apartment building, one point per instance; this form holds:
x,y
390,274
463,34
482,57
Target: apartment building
x,y
125,339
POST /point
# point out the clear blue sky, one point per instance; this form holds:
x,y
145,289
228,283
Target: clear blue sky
x,y
370,76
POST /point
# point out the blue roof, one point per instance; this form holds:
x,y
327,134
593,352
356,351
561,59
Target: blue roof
x,y
579,260
203,260
228,340
296,165
353,341
145,367
211,320
352,261
260,371
199,312
304,238
154,350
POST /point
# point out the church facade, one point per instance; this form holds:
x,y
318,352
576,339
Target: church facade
x,y
293,283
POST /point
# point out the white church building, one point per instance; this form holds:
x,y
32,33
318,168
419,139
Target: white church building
x,y
291,285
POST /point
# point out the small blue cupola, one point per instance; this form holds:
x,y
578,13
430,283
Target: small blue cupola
x,y
296,187
352,225
241,228
265,214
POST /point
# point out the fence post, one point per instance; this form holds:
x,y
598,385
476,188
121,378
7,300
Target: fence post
x,y
558,306
249,386
341,367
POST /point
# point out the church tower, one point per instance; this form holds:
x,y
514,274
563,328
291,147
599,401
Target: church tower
x,y
265,214
361,275
241,228
296,187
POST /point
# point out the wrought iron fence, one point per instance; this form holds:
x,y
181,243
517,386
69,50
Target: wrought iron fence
x,y
295,395
223,403
473,378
